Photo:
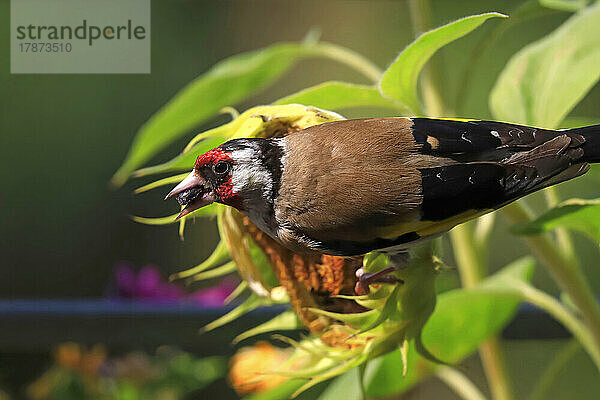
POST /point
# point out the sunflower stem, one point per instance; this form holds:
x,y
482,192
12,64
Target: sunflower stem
x,y
567,275
459,383
553,371
421,16
472,270
559,312
564,240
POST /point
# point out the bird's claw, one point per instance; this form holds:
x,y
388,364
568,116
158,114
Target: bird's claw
x,y
365,279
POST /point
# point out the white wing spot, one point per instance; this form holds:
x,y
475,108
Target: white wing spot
x,y
466,139
495,134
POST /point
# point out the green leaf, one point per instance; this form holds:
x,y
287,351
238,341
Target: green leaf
x,y
281,392
252,302
169,219
577,214
376,299
208,211
399,81
346,386
236,292
461,320
390,307
456,316
524,13
565,5
171,180
331,373
213,273
356,320
578,121
336,95
542,82
287,320
263,264
219,255
519,270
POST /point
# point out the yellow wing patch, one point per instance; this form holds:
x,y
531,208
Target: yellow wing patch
x,y
449,223
458,119
428,228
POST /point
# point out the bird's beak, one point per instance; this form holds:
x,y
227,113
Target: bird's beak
x,y
193,192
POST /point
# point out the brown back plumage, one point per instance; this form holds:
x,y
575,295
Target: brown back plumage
x,y
361,174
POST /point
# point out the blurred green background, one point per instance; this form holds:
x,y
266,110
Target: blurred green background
x,y
63,136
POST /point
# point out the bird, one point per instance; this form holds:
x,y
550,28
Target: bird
x,y
349,187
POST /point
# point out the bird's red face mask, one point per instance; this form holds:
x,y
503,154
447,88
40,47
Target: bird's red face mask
x,y
210,181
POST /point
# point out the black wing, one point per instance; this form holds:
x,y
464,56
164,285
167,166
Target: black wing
x,y
494,163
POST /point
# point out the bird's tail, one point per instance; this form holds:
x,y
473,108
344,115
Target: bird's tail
x,y
591,146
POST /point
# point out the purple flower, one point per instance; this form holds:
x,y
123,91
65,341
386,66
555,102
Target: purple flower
x,y
149,285
214,296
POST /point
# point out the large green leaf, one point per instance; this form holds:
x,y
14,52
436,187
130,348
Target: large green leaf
x,y
461,320
580,215
346,386
281,392
546,79
227,83
565,5
336,95
399,81
578,121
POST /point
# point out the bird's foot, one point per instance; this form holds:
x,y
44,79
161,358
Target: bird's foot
x,y
366,279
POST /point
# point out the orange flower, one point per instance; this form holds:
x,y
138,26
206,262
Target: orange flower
x,y
74,357
68,355
251,368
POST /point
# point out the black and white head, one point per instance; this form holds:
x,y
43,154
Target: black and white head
x,y
242,173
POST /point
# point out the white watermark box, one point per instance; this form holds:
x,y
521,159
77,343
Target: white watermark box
x,y
80,36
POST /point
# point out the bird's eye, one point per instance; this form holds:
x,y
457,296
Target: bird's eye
x,y
221,167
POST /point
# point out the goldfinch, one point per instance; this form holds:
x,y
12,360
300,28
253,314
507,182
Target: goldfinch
x,y
349,187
